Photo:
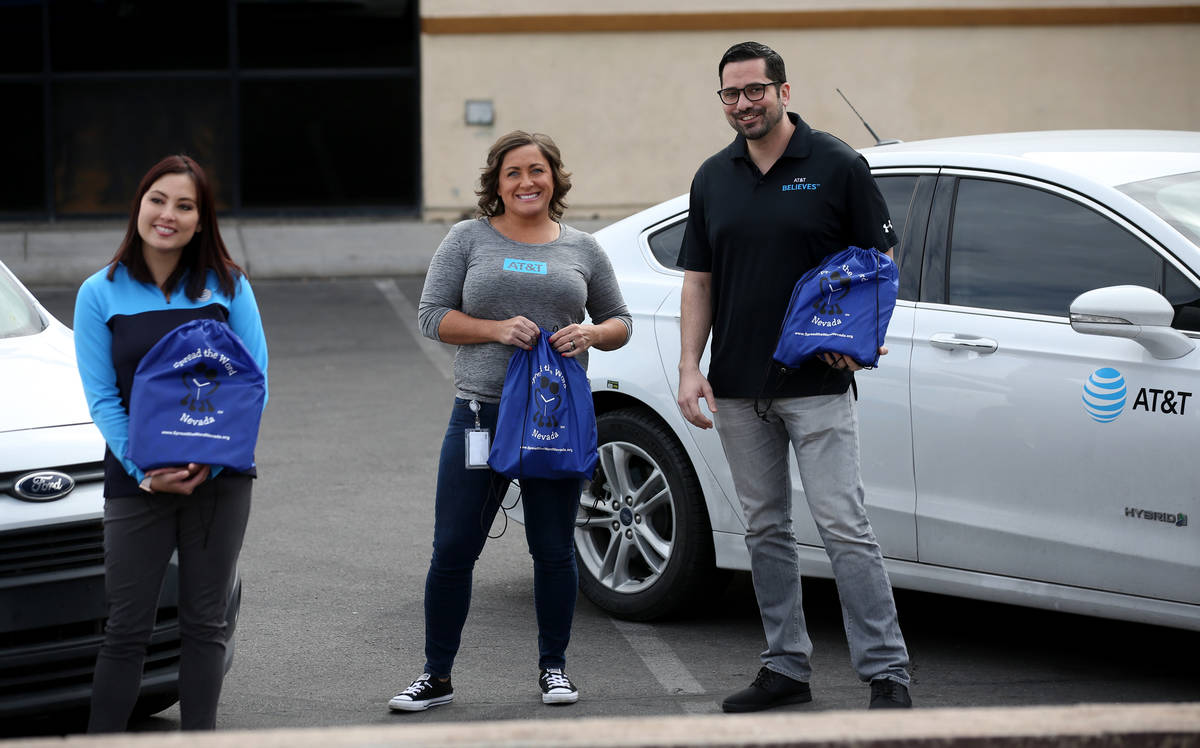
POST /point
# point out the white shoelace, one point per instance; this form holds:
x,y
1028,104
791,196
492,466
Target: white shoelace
x,y
556,679
417,686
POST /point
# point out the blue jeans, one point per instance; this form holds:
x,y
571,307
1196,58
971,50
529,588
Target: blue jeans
x,y
823,431
466,504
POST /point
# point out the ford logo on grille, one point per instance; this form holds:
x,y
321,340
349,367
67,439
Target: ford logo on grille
x,y
44,485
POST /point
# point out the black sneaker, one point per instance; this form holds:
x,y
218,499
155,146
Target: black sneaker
x,y
769,689
889,694
557,688
424,692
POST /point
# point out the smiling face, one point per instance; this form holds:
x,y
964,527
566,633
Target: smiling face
x,y
526,185
754,119
169,214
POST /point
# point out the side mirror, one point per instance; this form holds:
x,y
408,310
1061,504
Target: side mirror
x,y
1132,312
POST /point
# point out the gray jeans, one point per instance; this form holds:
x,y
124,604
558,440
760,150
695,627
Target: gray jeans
x,y
823,431
140,533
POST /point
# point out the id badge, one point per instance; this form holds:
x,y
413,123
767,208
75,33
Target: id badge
x,y
479,444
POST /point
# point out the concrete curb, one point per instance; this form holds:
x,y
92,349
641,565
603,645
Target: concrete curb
x,y
1085,726
316,250
65,256
302,248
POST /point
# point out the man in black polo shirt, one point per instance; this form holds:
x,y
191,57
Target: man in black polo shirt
x,y
764,211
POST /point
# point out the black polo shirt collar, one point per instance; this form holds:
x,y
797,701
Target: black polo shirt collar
x,y
800,145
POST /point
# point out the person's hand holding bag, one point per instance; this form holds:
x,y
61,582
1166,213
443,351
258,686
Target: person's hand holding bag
x,y
518,331
547,422
178,480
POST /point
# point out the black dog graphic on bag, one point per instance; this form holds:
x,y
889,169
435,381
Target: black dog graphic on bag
x,y
838,286
546,396
200,383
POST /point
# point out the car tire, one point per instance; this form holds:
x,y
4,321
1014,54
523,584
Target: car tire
x,y
643,542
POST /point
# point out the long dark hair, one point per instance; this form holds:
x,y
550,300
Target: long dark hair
x,y
206,251
490,203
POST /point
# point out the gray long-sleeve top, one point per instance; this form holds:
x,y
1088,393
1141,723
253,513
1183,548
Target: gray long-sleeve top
x,y
484,274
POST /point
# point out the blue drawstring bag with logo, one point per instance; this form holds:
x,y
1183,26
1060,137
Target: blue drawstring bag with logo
x,y
546,427
197,396
841,306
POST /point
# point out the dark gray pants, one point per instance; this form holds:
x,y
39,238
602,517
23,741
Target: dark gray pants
x,y
140,533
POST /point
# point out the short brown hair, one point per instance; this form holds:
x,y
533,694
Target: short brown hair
x,y
490,203
754,51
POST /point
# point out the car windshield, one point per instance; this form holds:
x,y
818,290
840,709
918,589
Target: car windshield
x,y
1176,199
18,315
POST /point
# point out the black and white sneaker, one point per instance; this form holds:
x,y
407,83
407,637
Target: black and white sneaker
x,y
557,688
424,692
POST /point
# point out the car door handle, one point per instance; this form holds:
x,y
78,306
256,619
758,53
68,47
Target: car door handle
x,y
951,341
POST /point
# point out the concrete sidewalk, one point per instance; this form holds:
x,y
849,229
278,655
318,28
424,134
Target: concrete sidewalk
x,y
65,254
1083,726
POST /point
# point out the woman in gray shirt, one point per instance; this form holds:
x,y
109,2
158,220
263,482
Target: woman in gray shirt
x,y
493,282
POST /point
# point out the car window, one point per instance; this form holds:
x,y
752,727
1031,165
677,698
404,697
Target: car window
x,y
1022,249
897,193
666,243
1185,297
18,316
1175,198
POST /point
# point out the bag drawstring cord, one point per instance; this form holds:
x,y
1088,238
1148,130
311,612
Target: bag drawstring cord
x,y
498,496
878,341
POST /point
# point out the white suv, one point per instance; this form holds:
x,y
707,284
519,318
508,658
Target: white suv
x,y
1030,438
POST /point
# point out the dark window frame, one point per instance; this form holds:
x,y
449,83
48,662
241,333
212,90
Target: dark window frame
x,y
233,74
913,230
667,227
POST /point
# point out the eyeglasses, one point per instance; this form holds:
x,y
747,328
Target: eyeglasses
x,y
753,92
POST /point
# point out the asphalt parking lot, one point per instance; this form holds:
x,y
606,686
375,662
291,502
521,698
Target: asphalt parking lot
x,y
338,546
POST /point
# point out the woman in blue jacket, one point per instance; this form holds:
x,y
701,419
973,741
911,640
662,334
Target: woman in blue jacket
x,y
171,268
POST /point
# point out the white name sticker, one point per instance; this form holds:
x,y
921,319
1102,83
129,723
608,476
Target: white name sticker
x,y
525,266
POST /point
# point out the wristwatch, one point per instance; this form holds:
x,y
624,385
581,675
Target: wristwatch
x,y
145,484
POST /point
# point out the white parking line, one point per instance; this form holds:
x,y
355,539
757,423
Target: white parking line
x,y
439,354
659,658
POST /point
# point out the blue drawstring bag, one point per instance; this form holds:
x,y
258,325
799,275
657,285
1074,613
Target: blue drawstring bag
x,y
841,306
197,396
546,427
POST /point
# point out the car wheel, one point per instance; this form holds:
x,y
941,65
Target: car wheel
x,y
643,541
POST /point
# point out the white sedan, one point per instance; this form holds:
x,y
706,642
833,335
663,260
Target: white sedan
x,y
1029,439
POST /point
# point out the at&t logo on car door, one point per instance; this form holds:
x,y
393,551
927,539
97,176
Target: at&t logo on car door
x,y
1105,394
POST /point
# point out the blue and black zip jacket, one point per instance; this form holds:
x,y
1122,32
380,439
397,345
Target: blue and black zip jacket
x,y
117,322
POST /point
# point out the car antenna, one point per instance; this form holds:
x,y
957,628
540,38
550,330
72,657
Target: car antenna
x,y
860,119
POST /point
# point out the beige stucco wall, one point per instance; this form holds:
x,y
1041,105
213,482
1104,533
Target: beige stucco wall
x,y
636,112
437,8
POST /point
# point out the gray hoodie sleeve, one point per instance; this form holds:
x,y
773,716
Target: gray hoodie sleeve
x,y
443,283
